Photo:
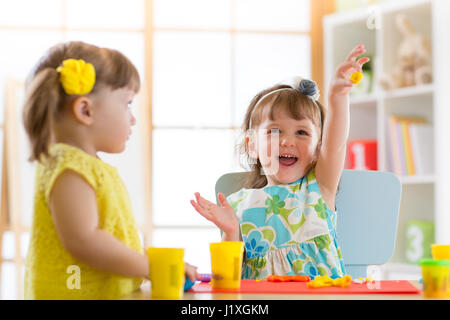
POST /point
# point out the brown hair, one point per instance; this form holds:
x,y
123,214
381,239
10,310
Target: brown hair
x,y
296,104
45,97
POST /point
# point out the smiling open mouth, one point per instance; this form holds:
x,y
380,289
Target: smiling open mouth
x,y
287,160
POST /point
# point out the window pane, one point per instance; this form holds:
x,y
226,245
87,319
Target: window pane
x,y
24,242
187,161
31,13
193,13
106,13
264,60
194,241
20,55
292,15
27,169
26,173
8,245
192,79
129,43
8,285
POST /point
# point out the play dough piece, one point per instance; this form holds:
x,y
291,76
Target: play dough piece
x,y
344,281
205,277
325,281
363,280
298,278
356,77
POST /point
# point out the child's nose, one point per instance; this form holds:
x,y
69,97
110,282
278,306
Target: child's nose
x,y
287,141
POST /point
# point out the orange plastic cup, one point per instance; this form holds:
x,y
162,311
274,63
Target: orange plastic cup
x,y
226,264
166,272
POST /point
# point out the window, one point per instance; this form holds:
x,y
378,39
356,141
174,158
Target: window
x,y
200,61
28,36
207,66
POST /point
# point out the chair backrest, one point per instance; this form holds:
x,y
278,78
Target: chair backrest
x,y
367,205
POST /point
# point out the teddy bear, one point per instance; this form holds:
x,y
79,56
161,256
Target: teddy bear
x,y
413,65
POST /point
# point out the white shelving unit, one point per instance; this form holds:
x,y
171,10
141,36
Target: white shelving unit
x,y
424,197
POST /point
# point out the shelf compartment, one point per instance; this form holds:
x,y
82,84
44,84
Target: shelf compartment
x,y
414,91
420,105
419,16
363,100
417,203
417,179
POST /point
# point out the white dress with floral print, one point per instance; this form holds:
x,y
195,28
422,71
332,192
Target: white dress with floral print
x,y
287,230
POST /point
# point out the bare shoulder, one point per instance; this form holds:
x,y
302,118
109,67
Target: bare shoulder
x,y
70,186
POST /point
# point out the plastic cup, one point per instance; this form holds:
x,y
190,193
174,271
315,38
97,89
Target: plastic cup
x,y
166,272
226,264
441,252
435,277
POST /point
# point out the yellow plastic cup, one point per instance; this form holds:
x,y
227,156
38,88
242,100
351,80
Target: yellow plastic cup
x,y
166,272
435,277
441,252
226,264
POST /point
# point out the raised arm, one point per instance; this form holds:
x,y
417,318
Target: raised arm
x,y
331,157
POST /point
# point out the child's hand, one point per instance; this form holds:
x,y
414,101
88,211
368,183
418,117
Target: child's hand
x,y
223,217
191,272
341,84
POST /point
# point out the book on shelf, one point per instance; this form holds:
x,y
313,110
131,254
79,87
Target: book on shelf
x,y
400,148
422,143
409,145
409,161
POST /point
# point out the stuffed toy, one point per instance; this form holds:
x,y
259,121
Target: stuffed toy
x,y
413,65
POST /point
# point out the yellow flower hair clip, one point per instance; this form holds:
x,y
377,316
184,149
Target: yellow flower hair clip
x,y
76,76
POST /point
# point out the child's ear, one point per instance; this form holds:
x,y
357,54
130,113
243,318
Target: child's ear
x,y
82,110
250,146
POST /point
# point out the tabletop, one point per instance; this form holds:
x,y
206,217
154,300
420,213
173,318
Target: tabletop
x,y
144,293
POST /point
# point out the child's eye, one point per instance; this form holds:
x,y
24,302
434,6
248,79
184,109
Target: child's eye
x,y
302,132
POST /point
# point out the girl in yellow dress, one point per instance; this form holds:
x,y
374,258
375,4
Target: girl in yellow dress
x,y
84,240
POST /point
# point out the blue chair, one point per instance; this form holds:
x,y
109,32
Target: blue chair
x,y
367,206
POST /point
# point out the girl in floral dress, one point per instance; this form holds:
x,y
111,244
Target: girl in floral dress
x,y
286,214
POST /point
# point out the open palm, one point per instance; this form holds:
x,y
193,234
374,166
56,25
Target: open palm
x,y
222,216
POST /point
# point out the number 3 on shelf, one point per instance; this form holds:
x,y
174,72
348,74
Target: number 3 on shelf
x,y
415,243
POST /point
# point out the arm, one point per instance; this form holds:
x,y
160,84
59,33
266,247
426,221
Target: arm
x,y
330,162
73,206
223,217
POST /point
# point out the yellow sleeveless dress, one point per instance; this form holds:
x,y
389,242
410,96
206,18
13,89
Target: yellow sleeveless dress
x,y
51,272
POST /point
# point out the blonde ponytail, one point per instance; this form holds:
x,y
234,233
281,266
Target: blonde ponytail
x,y
42,101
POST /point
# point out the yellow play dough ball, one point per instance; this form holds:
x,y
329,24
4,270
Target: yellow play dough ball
x,y
356,77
